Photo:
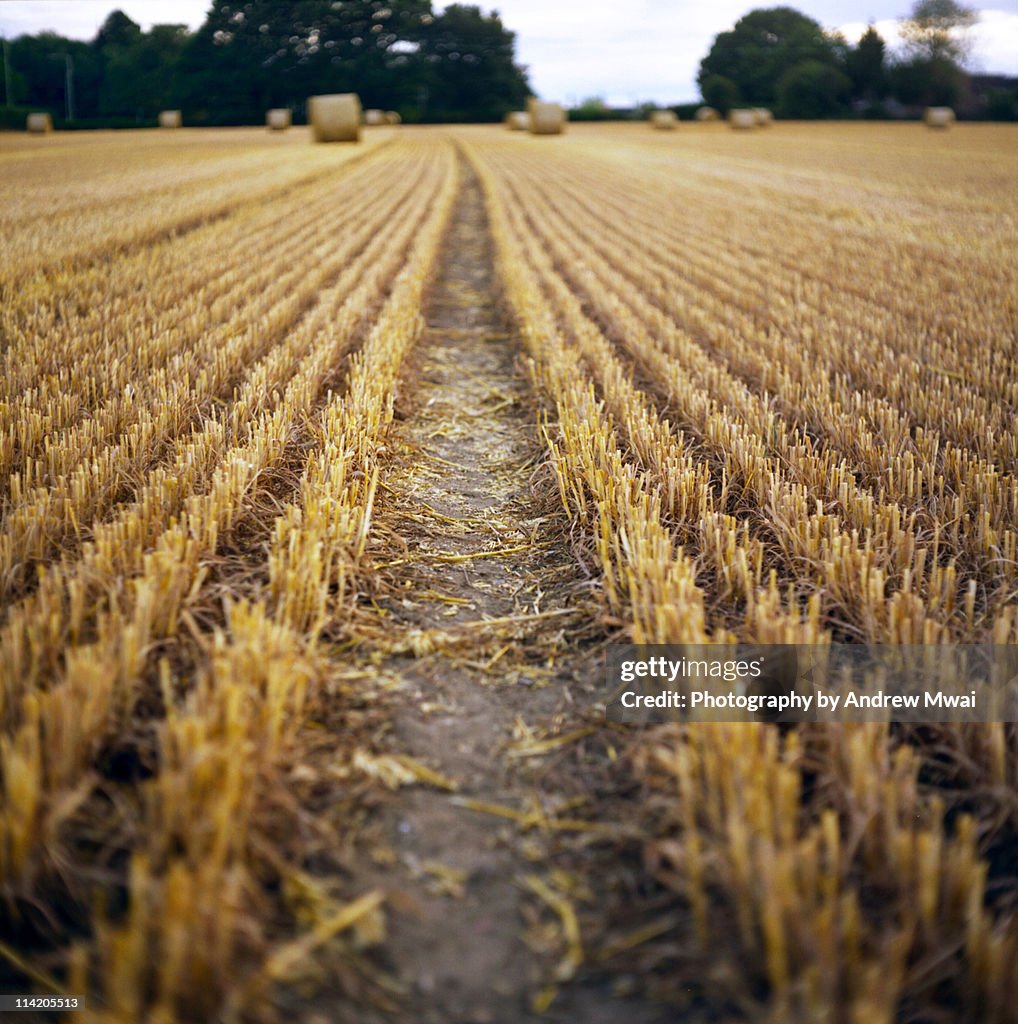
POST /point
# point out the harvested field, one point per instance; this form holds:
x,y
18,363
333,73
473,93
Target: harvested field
x,y
329,472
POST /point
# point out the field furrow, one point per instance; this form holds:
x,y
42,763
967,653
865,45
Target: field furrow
x,y
35,249
43,514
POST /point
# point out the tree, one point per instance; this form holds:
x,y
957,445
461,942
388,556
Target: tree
x,y
471,74
39,75
251,55
720,92
592,108
761,47
117,30
1002,105
932,74
139,69
931,31
813,90
257,54
865,66
939,82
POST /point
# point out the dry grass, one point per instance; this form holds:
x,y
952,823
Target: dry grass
x,y
765,448
750,443
149,718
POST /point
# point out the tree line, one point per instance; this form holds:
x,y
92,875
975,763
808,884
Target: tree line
x,y
782,59
457,65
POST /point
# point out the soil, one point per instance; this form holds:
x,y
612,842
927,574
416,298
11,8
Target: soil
x,y
485,628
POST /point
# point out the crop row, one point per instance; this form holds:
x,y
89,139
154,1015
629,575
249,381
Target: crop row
x,y
108,631
898,542
743,472
104,208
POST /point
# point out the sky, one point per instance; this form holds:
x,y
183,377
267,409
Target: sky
x,y
625,51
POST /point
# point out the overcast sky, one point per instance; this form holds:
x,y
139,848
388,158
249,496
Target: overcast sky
x,y
622,50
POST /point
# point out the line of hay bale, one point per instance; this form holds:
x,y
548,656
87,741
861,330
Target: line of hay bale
x,y
938,117
335,117
741,119
170,119
373,118
763,116
391,117
545,118
278,119
517,121
39,123
707,114
664,120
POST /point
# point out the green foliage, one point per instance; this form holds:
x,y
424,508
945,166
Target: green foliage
x,y
19,88
593,108
262,53
720,92
935,50
118,30
255,54
931,32
38,72
762,47
780,58
140,69
921,82
865,66
813,90
1002,105
13,118
470,75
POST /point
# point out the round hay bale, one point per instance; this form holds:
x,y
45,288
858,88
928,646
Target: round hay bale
x,y
545,118
39,123
169,119
517,120
938,117
391,117
742,119
763,116
278,119
707,114
335,117
374,117
665,120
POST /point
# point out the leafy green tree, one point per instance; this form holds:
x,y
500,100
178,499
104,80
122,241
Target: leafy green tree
x,y
812,90
1002,105
262,53
19,90
250,55
762,47
139,69
118,30
593,108
935,50
865,66
38,72
932,32
938,82
471,71
720,92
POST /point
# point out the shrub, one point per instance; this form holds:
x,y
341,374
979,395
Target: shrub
x,y
813,90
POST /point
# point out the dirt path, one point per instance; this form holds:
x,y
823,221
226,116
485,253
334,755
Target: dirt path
x,y
470,939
